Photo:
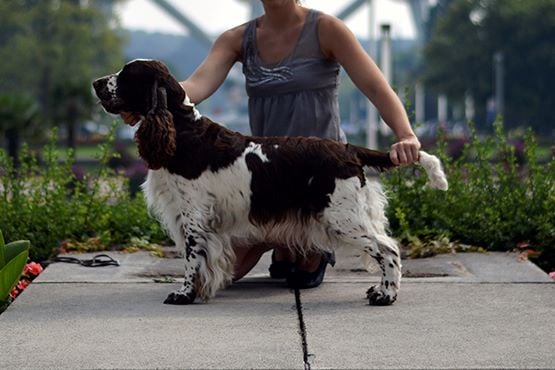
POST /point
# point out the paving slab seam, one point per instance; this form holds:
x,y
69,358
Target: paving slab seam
x,y
100,282
404,282
177,281
327,282
481,282
302,330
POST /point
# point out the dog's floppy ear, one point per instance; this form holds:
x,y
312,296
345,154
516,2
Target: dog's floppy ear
x,y
156,136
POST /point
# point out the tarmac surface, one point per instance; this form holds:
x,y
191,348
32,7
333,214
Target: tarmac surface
x,y
454,311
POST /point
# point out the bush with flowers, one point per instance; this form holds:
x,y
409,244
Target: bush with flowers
x,y
90,206
30,272
13,259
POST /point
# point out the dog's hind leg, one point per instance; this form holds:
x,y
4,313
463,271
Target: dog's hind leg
x,y
372,240
356,219
386,252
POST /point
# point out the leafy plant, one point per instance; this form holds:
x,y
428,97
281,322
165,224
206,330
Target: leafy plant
x,y
499,195
45,201
13,257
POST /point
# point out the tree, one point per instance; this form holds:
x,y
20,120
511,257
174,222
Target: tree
x,y
17,112
459,56
53,50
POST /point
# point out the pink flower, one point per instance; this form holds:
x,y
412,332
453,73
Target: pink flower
x,y
523,245
526,253
23,284
552,275
32,269
14,293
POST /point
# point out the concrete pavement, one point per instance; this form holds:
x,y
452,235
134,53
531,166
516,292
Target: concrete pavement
x,y
454,311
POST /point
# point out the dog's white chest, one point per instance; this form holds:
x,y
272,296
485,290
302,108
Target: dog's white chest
x,y
222,196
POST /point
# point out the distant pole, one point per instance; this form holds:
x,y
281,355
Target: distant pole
x,y
469,110
420,11
372,126
385,54
419,103
442,109
499,72
386,65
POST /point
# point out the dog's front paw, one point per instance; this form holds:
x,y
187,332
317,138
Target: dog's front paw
x,y
377,296
178,297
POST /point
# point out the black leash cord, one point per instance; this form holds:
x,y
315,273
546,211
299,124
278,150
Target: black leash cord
x,y
97,261
302,328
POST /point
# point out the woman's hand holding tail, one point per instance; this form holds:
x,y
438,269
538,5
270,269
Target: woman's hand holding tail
x,y
405,150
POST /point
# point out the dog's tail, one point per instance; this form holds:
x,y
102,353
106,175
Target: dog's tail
x,y
382,161
432,166
373,158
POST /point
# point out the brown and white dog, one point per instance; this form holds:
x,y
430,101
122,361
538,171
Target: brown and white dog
x,y
207,184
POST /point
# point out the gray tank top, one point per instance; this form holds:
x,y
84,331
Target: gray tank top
x,y
298,95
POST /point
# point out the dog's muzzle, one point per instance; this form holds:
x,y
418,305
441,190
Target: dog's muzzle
x,y
105,89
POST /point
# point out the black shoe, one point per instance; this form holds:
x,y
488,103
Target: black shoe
x,y
306,280
280,269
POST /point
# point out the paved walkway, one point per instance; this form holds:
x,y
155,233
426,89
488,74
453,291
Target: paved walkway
x,y
454,311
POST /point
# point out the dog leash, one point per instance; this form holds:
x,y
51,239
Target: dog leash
x,y
97,261
302,328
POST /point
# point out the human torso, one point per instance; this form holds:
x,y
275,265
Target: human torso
x,y
292,85
273,45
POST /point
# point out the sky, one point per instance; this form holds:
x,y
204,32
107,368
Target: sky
x,y
216,16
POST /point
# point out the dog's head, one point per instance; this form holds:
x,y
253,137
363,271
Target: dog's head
x,y
140,87
145,87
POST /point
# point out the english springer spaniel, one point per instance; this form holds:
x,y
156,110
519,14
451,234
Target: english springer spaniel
x,y
207,184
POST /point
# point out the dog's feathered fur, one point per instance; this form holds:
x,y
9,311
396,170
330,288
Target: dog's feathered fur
x,y
208,184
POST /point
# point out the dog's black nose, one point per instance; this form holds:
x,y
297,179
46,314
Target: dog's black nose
x,y
97,84
100,88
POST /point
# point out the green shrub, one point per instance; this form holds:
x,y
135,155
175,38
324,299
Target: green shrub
x,y
498,198
47,204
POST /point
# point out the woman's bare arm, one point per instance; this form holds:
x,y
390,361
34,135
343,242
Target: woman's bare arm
x,y
339,43
211,73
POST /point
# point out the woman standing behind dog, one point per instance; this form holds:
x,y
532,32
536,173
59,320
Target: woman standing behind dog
x,y
291,57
